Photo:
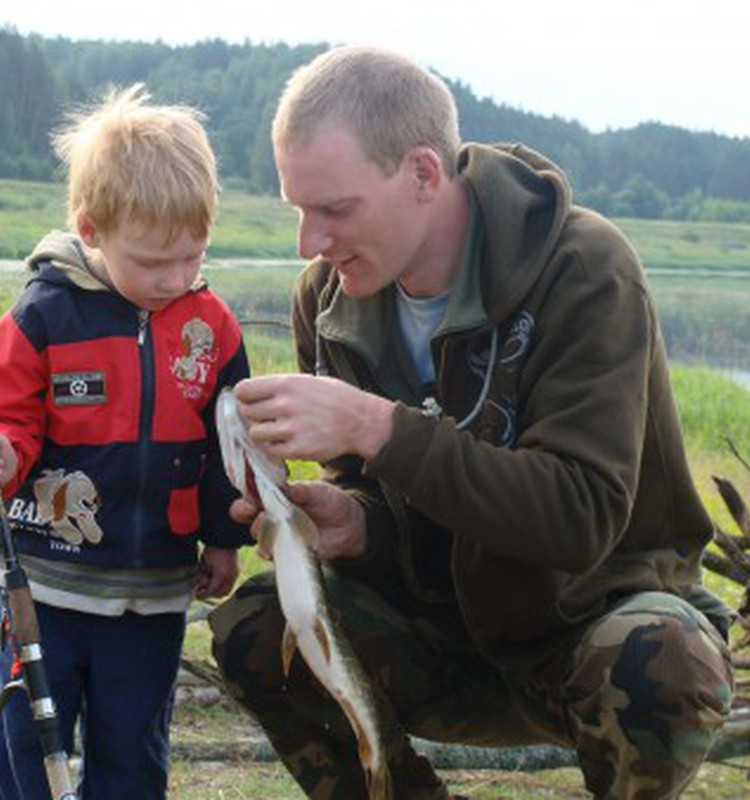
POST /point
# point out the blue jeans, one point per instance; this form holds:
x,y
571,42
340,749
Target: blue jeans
x,y
115,677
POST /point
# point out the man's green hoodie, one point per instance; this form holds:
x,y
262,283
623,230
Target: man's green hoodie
x,y
555,469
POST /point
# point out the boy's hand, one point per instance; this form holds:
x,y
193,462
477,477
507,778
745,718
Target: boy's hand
x,y
8,460
217,572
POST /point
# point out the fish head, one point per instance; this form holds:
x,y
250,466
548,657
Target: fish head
x,y
231,430
244,462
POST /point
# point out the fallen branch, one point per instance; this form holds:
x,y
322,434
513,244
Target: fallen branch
x,y
736,507
732,741
719,565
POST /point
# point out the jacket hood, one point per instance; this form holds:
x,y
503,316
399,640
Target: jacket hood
x,y
65,252
524,200
520,204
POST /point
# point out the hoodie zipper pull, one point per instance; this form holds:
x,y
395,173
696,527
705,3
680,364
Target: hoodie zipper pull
x,y
143,317
431,407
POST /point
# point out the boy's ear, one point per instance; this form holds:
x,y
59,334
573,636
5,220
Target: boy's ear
x,y
87,230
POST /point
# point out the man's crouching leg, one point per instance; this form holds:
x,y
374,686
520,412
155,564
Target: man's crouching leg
x,y
247,646
303,723
650,686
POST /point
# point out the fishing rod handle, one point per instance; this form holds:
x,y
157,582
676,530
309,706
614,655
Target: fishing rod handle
x,y
22,609
58,777
26,631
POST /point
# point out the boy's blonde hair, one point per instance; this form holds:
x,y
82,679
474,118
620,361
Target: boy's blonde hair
x,y
390,103
129,160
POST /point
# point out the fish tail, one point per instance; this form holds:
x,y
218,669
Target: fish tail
x,y
380,783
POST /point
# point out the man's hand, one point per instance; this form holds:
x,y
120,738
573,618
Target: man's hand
x,y
8,460
339,518
313,418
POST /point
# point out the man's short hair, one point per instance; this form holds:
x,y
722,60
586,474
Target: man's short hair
x,y
130,160
390,103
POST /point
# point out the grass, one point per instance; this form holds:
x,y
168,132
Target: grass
x,y
250,226
262,226
232,781
247,226
713,409
27,211
669,244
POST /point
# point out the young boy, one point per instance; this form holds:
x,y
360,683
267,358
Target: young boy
x,y
110,365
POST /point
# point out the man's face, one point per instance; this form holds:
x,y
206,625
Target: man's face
x,y
367,224
146,267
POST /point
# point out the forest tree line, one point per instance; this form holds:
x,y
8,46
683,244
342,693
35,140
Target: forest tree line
x,y
649,171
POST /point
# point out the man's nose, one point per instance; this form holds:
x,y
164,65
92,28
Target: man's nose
x,y
313,238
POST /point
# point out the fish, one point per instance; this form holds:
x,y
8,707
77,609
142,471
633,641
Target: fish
x,y
289,537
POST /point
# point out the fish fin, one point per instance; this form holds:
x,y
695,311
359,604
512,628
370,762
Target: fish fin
x,y
378,778
305,527
321,634
266,537
364,746
288,649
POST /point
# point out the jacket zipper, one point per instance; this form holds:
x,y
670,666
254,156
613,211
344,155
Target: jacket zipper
x,y
146,360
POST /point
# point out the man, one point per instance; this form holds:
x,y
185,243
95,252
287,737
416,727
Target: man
x,y
514,534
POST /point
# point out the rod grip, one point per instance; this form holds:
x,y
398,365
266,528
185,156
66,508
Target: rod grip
x,y
58,776
22,610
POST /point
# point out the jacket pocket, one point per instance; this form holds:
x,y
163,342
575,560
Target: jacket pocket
x,y
183,509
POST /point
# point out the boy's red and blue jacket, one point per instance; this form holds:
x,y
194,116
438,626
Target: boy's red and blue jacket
x,y
111,411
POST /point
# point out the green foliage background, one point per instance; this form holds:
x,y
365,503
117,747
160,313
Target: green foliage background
x,y
650,171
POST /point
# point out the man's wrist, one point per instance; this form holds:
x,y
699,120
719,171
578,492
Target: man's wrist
x,y
377,426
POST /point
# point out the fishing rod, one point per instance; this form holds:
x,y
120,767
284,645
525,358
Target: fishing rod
x,y
25,628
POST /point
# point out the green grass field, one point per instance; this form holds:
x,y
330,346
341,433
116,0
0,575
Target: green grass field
x,y
247,226
666,244
263,227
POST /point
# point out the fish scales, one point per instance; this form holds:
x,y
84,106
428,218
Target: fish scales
x,y
289,537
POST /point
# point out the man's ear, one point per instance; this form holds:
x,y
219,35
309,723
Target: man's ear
x,y
87,230
427,171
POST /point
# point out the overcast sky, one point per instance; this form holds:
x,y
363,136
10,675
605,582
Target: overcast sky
x,y
605,63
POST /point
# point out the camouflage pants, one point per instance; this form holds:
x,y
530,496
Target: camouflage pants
x,y
638,693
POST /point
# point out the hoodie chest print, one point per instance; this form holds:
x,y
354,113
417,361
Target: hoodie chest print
x,y
64,506
192,365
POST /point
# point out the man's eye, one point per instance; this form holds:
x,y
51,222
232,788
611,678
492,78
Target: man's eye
x,y
338,211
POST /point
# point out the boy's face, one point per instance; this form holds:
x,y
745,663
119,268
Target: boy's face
x,y
144,267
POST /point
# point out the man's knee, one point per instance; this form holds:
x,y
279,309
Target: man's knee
x,y
676,678
651,684
247,632
658,662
